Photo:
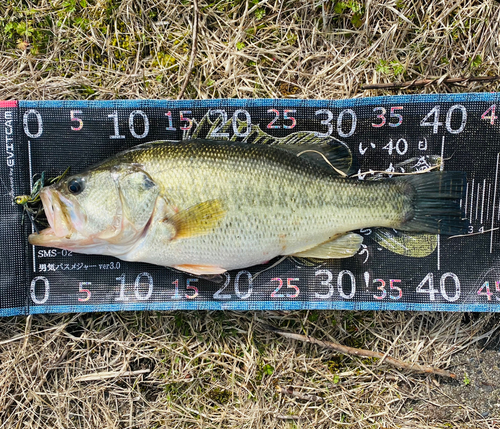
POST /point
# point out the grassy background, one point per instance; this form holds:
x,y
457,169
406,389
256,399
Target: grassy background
x,y
223,369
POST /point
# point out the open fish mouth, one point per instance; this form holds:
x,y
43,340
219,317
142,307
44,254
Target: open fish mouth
x,y
48,209
56,212
46,237
62,217
58,226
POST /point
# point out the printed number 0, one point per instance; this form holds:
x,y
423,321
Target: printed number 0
x,y
46,290
340,284
137,284
340,119
131,124
38,118
239,294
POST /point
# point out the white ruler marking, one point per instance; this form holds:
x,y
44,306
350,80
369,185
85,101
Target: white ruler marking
x,y
466,199
477,198
31,191
494,202
482,201
441,168
471,201
489,201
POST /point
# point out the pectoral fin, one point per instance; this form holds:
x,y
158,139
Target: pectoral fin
x,y
344,246
199,219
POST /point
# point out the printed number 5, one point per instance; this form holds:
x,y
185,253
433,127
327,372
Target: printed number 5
x,y
396,115
74,118
81,289
191,287
189,121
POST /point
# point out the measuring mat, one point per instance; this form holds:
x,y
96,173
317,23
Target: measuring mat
x,y
392,270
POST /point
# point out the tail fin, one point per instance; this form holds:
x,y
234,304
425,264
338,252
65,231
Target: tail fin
x,y
436,202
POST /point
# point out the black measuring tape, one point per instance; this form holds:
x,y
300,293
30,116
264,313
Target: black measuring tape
x,y
457,132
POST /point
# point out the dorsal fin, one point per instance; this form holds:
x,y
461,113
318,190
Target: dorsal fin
x,y
327,153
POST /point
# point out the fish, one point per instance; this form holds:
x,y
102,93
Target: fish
x,y
207,206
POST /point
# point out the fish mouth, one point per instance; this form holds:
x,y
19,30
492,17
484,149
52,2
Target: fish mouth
x,y
61,216
46,238
45,196
57,212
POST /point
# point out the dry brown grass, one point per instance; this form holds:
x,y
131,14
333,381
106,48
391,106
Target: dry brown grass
x,y
223,369
245,48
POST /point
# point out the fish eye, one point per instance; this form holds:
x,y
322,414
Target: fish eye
x,y
76,185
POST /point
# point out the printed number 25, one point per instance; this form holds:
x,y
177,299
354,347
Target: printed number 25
x,y
272,125
289,285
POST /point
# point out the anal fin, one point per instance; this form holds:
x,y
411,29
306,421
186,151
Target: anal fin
x,y
200,270
344,246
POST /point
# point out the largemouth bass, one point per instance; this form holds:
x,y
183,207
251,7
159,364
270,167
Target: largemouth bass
x,y
205,206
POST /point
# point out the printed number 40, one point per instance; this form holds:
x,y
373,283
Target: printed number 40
x,y
432,119
432,291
